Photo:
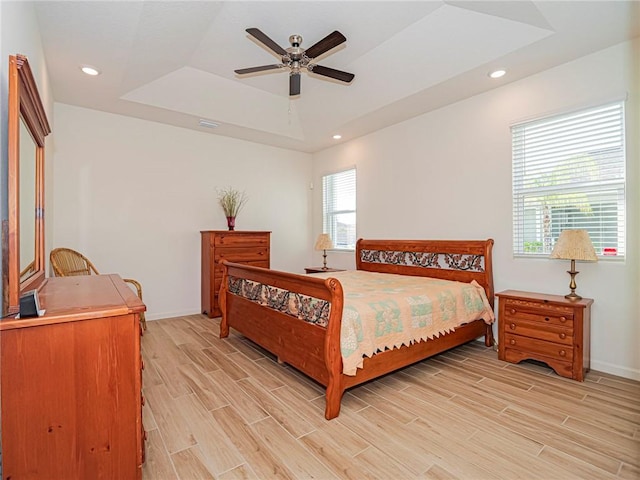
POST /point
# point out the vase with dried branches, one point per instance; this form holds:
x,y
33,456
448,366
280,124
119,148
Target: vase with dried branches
x,y
231,201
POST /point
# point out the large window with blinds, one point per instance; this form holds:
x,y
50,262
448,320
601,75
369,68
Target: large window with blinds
x,y
339,208
569,173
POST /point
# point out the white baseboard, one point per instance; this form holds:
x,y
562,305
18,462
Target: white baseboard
x,y
626,372
163,315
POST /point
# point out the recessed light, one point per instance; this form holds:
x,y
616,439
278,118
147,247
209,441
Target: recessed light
x,y
208,123
337,137
89,70
497,73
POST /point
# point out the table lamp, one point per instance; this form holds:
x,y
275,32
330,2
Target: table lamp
x,y
574,245
324,243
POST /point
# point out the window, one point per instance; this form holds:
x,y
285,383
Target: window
x,y
569,173
339,208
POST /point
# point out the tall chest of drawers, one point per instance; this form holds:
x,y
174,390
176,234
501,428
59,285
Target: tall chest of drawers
x,y
251,248
547,328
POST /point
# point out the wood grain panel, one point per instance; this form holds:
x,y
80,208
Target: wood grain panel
x,y
246,247
71,388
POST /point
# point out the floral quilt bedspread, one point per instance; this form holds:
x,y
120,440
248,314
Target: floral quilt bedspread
x,y
383,311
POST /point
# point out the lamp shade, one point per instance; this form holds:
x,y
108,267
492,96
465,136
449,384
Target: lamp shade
x,y
574,245
323,242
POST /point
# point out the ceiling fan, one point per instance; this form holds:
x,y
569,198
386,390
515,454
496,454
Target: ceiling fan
x,y
296,58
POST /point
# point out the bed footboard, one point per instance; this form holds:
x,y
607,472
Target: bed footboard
x,y
295,317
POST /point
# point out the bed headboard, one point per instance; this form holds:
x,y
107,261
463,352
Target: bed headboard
x,y
458,260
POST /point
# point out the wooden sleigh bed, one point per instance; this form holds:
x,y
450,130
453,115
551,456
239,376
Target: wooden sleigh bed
x,y
315,348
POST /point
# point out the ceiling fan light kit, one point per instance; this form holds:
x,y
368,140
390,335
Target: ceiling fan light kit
x,y
296,58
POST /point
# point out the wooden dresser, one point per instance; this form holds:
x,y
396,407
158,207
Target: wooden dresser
x,y
252,248
548,328
71,383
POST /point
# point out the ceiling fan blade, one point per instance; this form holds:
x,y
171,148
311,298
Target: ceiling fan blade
x,y
327,43
332,73
266,41
242,71
294,84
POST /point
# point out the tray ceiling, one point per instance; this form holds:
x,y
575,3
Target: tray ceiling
x,y
173,62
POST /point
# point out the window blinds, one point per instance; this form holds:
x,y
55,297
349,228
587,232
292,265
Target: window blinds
x,y
339,208
569,173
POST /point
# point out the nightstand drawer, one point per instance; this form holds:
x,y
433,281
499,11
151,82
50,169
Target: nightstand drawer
x,y
538,313
542,347
561,367
551,333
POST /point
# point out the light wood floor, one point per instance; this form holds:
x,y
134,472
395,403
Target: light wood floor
x,y
226,409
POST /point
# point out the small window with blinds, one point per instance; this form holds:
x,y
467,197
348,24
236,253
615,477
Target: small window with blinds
x,y
569,173
339,208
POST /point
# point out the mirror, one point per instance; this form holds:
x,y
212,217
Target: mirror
x,y
27,193
23,239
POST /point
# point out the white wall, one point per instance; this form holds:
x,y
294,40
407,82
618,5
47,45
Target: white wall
x,y
133,196
447,175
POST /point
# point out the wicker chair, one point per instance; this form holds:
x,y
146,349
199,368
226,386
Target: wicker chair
x,y
66,263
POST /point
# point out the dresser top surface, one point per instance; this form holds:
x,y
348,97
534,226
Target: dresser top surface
x,y
67,299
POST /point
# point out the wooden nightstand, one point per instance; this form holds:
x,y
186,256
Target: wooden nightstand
x,y
548,328
322,270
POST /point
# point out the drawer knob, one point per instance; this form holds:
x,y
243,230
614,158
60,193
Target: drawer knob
x,y
563,319
563,335
563,353
513,311
512,341
512,326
